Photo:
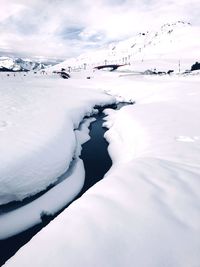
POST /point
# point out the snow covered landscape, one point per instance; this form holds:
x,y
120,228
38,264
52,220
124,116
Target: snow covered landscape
x,y
18,64
145,212
148,200
172,46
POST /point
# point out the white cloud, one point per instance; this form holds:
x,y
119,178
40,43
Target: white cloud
x,y
63,28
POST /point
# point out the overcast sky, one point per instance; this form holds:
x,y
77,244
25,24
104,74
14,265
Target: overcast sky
x,y
65,28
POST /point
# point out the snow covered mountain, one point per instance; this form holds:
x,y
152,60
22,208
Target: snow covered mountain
x,y
174,46
18,64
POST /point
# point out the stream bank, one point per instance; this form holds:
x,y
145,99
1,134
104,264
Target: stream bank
x,y
96,163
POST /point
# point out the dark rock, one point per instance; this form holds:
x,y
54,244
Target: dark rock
x,y
195,66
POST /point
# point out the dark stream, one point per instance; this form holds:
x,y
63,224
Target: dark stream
x,y
94,154
96,162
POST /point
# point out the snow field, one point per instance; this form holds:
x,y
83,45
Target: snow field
x,y
145,212
37,139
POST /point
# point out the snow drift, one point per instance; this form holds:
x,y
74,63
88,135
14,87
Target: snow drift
x,y
145,212
37,139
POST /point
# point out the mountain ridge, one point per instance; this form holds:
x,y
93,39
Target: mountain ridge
x,y
19,64
174,44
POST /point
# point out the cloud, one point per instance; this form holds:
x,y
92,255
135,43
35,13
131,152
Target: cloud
x,y
65,28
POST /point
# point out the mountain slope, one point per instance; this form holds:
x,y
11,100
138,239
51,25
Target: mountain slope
x,y
174,46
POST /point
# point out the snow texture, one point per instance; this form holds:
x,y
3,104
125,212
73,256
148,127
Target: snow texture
x,y
37,138
20,219
145,212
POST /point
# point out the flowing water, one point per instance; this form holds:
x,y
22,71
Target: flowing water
x,y
96,163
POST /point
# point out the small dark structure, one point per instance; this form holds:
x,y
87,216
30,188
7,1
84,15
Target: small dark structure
x,y
195,66
63,74
149,72
170,71
154,72
112,67
161,72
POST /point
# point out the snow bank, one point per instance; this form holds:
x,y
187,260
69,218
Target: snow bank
x,y
145,212
19,220
37,140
